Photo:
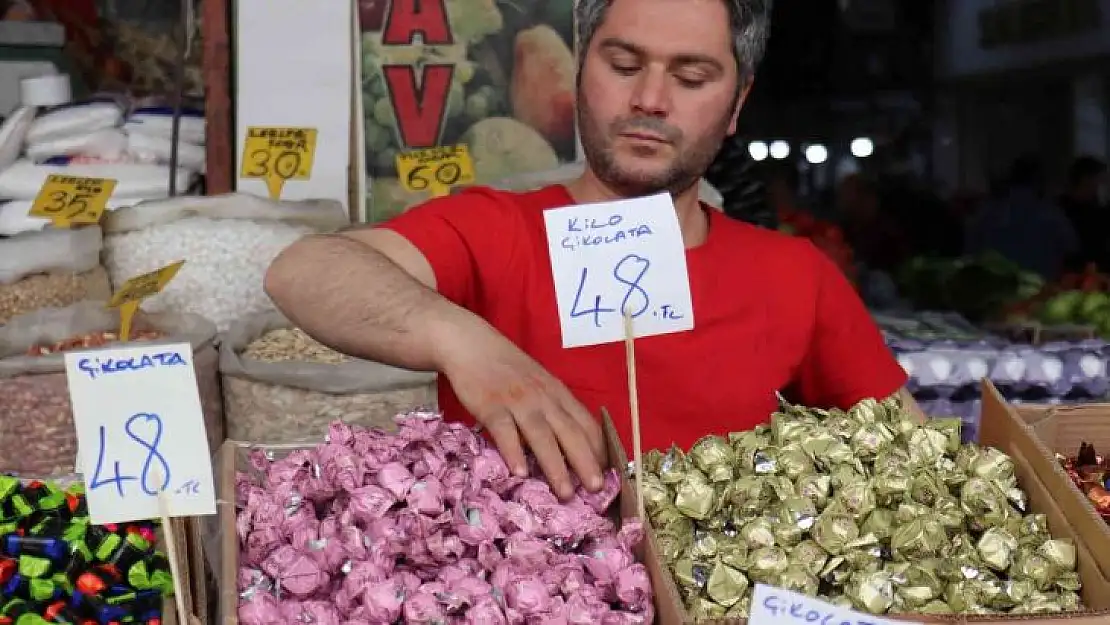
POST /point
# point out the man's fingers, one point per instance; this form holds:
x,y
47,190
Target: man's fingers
x,y
503,429
537,433
589,424
576,444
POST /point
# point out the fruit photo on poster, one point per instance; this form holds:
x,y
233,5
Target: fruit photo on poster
x,y
496,75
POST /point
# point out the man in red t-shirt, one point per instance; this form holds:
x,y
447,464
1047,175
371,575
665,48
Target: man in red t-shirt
x,y
463,285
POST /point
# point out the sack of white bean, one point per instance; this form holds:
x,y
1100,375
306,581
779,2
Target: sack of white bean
x,y
281,386
37,436
226,241
50,267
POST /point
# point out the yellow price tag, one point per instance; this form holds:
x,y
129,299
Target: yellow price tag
x,y
135,290
435,169
277,154
71,200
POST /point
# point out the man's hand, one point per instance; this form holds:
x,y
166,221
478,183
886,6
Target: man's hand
x,y
521,404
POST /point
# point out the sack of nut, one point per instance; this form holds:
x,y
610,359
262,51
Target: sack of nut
x,y
281,386
37,435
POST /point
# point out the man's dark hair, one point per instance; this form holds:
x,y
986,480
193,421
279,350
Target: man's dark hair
x,y
749,22
1083,168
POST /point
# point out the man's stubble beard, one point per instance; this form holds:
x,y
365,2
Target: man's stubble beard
x,y
688,166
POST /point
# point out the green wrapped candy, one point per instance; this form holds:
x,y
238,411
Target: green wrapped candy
x,y
695,496
690,574
926,487
879,524
797,578
864,558
1034,567
798,512
891,460
671,546
787,535
836,572
673,467
810,555
919,583
923,537
935,607
950,474
766,564
926,446
867,411
741,609
815,488
704,608
909,510
871,591
856,500
845,474
1061,553
996,548
705,546
726,585
787,428
715,457
984,505
656,493
833,531
670,518
747,445
948,512
871,439
734,553
1068,581
758,532
793,461
993,466
963,596
891,486
751,494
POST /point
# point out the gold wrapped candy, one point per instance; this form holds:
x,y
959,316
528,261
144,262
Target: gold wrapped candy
x,y
865,508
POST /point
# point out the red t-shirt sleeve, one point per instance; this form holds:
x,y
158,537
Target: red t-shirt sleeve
x,y
467,239
847,359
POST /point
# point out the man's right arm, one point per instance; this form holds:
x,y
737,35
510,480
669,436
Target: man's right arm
x,y
366,292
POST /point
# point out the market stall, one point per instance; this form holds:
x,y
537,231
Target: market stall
x,y
946,357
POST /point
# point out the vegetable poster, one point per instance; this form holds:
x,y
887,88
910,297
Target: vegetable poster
x,y
495,75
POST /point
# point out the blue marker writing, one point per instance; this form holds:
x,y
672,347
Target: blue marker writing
x,y
153,454
592,223
593,240
802,613
94,367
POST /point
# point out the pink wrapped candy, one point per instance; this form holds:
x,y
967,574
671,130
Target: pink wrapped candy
x,y
428,526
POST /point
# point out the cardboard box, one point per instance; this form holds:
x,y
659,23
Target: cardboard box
x,y
1060,430
1001,427
221,538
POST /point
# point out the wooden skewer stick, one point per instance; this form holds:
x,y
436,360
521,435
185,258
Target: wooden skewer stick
x,y
634,405
171,553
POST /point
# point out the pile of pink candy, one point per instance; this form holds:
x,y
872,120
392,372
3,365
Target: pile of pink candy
x,y
427,526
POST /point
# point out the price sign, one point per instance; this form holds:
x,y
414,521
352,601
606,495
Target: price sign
x,y
435,169
276,154
775,606
72,200
141,432
615,256
135,290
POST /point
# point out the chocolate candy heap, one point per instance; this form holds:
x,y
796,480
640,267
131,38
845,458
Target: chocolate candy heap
x,y
865,508
56,567
428,526
1091,474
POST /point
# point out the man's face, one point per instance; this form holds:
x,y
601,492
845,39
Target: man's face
x,y
657,94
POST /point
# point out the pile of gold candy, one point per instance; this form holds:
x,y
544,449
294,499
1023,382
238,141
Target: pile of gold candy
x,y
867,509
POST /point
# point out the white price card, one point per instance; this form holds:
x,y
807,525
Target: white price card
x,y
775,606
613,256
140,432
